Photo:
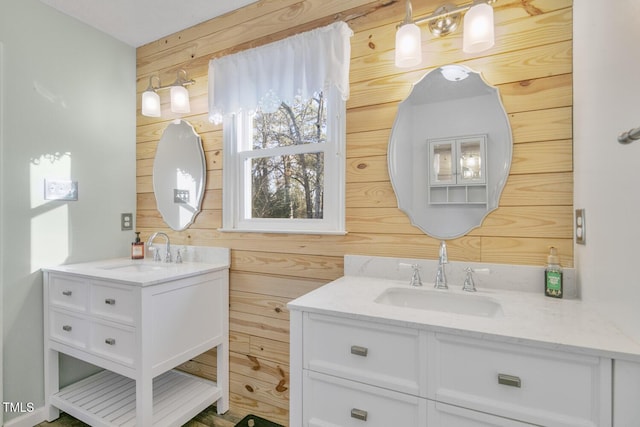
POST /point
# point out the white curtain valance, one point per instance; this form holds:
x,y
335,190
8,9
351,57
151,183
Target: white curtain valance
x,y
277,72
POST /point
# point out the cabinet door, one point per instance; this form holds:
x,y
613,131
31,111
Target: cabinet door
x,y
332,401
443,165
443,415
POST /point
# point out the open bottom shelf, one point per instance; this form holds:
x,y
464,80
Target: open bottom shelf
x,y
107,399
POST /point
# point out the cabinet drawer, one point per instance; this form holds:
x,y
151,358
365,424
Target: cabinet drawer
x,y
68,292
443,415
113,302
113,342
331,401
368,352
68,329
532,385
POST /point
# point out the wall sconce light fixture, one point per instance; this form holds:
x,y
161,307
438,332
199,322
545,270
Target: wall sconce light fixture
x,y
478,32
179,95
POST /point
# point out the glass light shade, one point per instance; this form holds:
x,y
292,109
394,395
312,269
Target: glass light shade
x,y
180,99
408,46
150,104
478,29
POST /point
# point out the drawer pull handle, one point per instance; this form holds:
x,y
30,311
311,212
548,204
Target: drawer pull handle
x,y
110,341
359,414
509,380
110,301
359,351
67,293
67,328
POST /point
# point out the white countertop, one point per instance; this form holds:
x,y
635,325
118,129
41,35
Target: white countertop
x,y
138,272
529,318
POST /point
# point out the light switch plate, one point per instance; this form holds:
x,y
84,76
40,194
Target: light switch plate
x,y
60,189
180,196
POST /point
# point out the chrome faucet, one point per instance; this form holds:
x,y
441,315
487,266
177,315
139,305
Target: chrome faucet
x,y
441,277
156,256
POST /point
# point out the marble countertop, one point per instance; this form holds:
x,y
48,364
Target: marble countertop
x,y
529,318
139,272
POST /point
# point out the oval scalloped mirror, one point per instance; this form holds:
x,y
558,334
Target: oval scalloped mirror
x,y
179,175
450,152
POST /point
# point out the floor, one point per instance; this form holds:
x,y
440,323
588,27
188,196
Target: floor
x,y
206,418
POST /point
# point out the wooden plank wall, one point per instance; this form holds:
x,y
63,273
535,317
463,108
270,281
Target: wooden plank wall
x,y
531,63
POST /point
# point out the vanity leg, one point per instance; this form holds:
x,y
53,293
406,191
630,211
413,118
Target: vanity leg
x,y
223,377
144,401
51,383
295,368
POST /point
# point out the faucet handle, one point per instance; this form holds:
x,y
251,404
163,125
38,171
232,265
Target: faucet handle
x,y
156,252
415,276
469,284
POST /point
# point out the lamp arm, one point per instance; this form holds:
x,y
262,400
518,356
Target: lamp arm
x,y
453,11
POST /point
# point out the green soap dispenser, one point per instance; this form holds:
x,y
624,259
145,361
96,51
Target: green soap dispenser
x,y
553,275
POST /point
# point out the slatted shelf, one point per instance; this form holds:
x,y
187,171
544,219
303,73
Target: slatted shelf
x,y
107,399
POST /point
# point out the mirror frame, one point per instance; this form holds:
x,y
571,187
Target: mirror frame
x,y
442,108
179,153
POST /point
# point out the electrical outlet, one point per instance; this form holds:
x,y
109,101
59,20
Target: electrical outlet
x,y
126,221
580,227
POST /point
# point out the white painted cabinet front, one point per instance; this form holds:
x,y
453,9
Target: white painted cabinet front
x,y
346,371
138,334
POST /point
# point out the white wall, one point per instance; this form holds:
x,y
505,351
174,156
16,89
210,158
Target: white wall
x,y
69,98
607,174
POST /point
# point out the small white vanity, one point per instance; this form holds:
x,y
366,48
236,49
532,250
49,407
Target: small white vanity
x,y
137,320
373,351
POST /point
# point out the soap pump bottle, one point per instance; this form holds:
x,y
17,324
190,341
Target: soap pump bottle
x,y
553,275
137,248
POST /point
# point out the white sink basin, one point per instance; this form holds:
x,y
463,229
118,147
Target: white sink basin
x,y
443,301
138,267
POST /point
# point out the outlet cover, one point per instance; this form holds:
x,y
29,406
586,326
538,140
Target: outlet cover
x,y
580,227
126,221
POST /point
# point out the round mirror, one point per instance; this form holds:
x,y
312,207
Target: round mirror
x,y
179,174
450,152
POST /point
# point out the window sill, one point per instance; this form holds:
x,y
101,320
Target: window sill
x,y
269,231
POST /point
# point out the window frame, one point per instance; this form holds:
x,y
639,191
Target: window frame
x,y
236,182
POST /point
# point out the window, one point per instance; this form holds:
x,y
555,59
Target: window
x,y
284,171
282,106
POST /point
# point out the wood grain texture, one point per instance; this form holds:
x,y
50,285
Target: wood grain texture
x,y
532,66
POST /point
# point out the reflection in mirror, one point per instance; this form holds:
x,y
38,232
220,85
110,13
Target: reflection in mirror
x,y
450,152
179,175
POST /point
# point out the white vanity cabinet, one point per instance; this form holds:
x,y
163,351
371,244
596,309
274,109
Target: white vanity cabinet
x,y
137,332
357,372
